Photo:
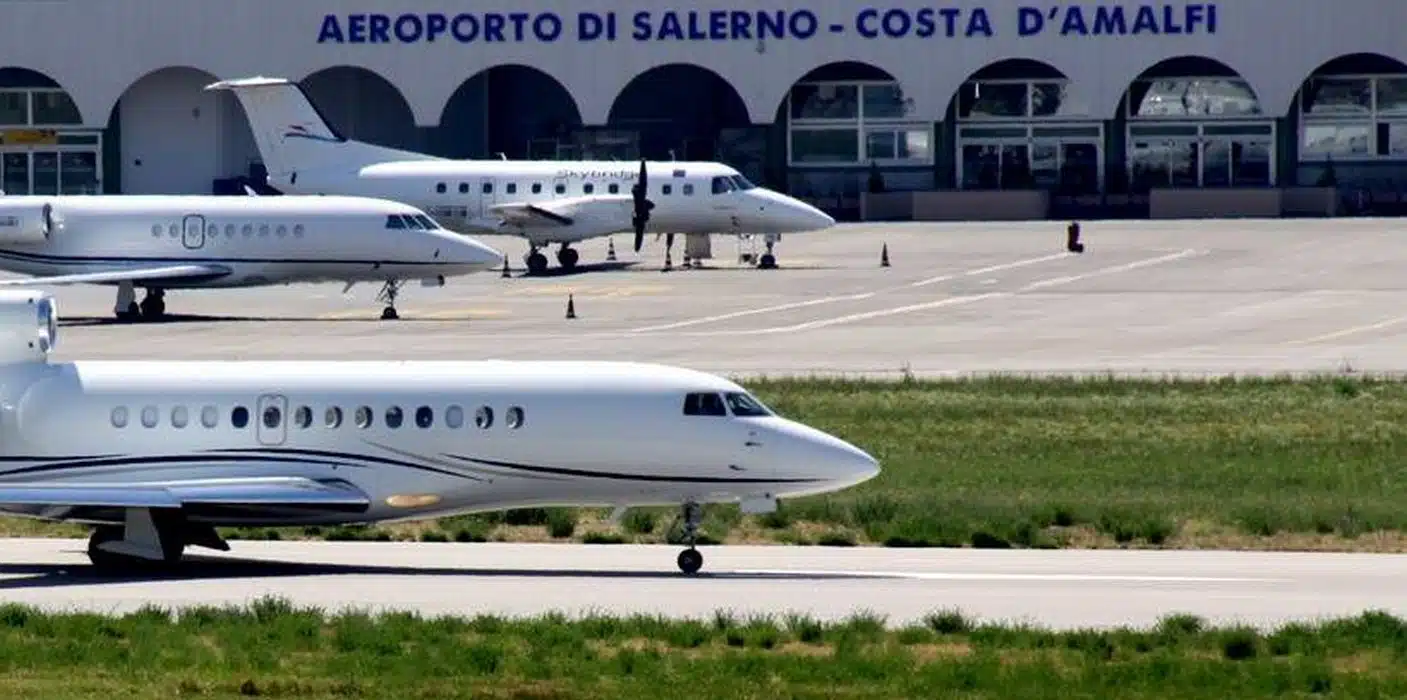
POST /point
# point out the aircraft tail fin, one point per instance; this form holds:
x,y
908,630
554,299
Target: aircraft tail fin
x,y
292,134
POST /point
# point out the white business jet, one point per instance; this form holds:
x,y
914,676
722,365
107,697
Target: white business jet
x,y
158,454
543,201
161,242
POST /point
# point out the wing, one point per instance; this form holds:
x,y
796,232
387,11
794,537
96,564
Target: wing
x,y
248,497
169,273
607,213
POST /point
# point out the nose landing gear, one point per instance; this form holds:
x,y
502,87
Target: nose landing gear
x,y
691,559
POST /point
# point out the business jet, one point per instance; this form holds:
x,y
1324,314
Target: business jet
x,y
208,242
157,454
543,201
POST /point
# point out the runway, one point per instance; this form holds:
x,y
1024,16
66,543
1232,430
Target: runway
x,y
1191,297
1058,589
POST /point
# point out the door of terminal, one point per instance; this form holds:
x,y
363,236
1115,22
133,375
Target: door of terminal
x,y
49,171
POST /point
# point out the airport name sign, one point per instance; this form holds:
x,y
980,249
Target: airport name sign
x,y
1078,20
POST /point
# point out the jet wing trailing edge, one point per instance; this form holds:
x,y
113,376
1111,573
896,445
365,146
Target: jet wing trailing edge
x,y
244,493
168,273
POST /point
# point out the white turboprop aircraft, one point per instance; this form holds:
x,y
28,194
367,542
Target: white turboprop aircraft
x,y
201,242
158,454
543,201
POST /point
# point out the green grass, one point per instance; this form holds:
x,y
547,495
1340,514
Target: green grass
x,y
997,462
273,649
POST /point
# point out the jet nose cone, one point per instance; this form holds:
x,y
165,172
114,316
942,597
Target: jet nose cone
x,y
796,215
481,255
852,465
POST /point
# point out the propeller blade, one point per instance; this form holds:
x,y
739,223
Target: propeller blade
x,y
642,205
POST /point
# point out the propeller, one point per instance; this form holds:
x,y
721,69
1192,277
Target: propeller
x,y
642,206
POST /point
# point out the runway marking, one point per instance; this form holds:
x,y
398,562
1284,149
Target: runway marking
x,y
956,301
986,270
429,314
589,291
940,576
846,297
1350,331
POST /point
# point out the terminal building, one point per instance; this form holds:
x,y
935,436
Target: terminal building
x,y
974,109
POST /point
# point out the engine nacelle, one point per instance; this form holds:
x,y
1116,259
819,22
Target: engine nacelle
x,y
25,222
29,326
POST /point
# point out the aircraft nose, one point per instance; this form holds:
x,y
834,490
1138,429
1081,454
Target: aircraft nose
x,y
836,462
479,254
797,215
849,465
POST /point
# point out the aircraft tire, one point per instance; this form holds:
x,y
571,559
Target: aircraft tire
x,y
690,561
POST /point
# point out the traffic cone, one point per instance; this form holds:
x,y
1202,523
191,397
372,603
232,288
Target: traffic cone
x,y
610,250
505,274
571,307
884,256
1072,238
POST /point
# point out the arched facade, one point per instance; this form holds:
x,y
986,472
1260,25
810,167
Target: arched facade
x,y
1118,98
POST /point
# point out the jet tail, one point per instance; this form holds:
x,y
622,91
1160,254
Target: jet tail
x,y
292,134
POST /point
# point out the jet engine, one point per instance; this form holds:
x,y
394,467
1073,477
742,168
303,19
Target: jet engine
x,y
29,326
25,222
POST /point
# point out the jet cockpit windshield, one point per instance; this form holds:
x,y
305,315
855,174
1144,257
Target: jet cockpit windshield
x,y
743,405
742,183
411,221
731,183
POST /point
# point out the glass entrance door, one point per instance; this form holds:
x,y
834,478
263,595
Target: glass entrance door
x,y
65,171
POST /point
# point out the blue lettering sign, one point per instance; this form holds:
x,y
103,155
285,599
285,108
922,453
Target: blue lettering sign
x,y
1091,18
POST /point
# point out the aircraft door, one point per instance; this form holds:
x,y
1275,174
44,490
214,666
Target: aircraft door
x,y
193,231
271,420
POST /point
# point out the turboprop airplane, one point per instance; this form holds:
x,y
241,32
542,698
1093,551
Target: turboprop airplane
x,y
543,201
161,242
157,454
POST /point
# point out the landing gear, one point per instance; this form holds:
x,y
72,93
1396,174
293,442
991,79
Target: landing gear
x,y
153,305
668,248
536,262
149,537
768,261
567,257
691,559
388,294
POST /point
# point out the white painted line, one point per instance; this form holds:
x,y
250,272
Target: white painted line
x,y
848,297
993,268
957,301
939,576
1350,331
753,312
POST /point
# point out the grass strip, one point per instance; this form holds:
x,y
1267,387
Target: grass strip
x,y
1273,463
272,648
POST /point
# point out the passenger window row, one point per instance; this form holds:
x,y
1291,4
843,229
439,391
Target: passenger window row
x,y
720,185
212,230
332,417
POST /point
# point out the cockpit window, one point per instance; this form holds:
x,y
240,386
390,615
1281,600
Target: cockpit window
x,y
722,184
426,221
744,405
410,222
742,183
394,221
701,404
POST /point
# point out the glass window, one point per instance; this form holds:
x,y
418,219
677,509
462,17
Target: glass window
x,y
454,417
209,416
1054,99
1392,95
248,230
613,188
996,166
363,417
514,417
427,222
885,102
488,188
512,187
180,417
239,417
588,188
825,101
149,416
1336,140
983,100
303,417
263,230
173,230
898,145
1216,163
332,417
394,416
1192,97
230,230
411,222
282,231
119,417
537,188
440,188
721,185
743,183
704,404
483,417
1250,163
298,230
464,188
1330,96
1045,165
688,189
879,145
560,189
14,107
1079,168
424,417
272,417
1171,163
744,405
825,146
55,107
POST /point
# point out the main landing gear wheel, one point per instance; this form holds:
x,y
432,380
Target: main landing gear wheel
x,y
567,257
154,304
768,261
691,559
172,548
536,262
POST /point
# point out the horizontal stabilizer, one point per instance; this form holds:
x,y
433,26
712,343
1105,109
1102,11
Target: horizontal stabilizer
x,y
252,491
128,274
